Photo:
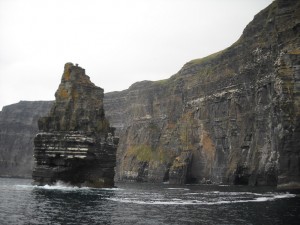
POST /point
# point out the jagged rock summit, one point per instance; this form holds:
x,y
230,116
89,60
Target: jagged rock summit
x,y
75,143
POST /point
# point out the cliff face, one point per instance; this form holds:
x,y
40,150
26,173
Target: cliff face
x,y
231,117
18,126
75,143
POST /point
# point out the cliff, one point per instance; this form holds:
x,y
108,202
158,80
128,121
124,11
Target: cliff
x,y
18,126
75,143
231,117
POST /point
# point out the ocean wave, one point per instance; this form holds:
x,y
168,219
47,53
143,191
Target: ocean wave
x,y
63,187
235,193
182,189
112,189
176,201
57,186
193,193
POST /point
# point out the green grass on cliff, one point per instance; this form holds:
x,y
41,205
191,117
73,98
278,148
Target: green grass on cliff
x,y
207,58
145,153
164,81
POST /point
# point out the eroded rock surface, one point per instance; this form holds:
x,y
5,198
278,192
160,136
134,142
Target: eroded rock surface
x,y
232,117
18,126
75,143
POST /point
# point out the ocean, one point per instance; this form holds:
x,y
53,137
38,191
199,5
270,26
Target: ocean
x,y
144,203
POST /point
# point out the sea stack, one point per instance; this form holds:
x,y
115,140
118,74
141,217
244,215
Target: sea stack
x,y
75,143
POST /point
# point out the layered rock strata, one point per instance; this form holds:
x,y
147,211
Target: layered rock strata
x,y
232,117
75,143
18,126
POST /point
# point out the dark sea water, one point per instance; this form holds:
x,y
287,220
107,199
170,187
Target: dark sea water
x,y
22,203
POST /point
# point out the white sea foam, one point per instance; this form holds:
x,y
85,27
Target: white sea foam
x,y
241,193
62,186
286,195
176,201
192,193
112,189
262,199
183,189
231,193
154,202
57,186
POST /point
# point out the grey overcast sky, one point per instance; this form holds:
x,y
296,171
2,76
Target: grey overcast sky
x,y
118,42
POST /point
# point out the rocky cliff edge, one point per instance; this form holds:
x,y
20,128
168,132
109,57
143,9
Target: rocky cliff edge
x,y
231,117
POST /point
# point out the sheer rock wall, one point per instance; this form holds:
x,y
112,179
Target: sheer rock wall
x,y
231,117
18,126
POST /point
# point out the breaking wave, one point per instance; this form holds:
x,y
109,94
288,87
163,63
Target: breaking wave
x,y
63,187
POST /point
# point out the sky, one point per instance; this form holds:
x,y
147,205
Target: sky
x,y
117,42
